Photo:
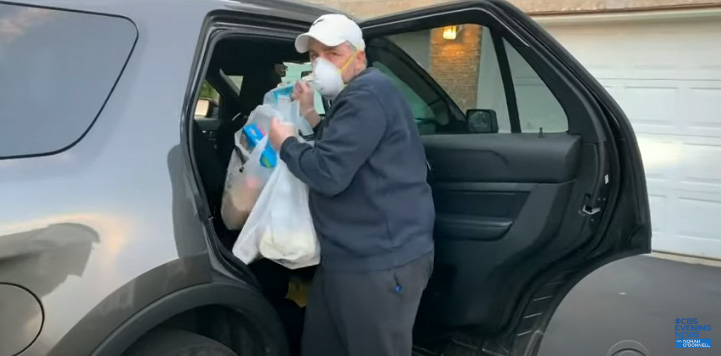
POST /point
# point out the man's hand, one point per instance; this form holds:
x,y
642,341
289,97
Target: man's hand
x,y
279,132
303,93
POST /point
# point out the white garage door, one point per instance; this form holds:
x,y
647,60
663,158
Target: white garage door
x,y
666,75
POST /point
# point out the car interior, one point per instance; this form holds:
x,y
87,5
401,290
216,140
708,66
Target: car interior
x,y
514,181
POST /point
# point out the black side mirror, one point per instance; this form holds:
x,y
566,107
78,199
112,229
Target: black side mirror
x,y
482,121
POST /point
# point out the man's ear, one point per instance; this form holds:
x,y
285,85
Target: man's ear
x,y
361,57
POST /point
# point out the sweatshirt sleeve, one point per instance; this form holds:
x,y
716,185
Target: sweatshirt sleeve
x,y
356,127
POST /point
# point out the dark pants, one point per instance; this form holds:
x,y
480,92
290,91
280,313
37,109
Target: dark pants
x,y
364,313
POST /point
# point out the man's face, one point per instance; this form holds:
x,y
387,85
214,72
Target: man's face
x,y
281,69
339,56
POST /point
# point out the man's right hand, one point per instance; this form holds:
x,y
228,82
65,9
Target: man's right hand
x,y
303,93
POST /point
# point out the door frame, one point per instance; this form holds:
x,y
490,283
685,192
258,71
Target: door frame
x,y
629,16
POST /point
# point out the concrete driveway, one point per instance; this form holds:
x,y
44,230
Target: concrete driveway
x,y
637,299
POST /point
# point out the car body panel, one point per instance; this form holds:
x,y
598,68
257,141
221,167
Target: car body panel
x,y
109,225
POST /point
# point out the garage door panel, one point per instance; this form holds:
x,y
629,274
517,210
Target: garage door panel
x,y
659,212
704,106
667,78
702,167
681,108
697,218
686,224
635,100
686,245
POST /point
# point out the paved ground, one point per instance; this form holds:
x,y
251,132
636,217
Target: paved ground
x,y
637,299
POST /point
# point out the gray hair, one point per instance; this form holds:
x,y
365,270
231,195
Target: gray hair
x,y
353,48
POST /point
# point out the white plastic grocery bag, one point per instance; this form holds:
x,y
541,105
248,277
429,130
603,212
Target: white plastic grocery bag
x,y
280,99
283,226
246,176
243,184
280,227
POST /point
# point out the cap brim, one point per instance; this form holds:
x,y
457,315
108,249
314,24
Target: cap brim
x,y
302,42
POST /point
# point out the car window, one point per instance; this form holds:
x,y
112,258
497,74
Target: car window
x,y
463,62
421,110
537,106
208,101
57,69
207,91
237,81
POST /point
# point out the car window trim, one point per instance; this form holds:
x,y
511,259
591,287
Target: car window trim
x,y
507,79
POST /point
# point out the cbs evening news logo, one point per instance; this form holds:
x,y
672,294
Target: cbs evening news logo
x,y
690,334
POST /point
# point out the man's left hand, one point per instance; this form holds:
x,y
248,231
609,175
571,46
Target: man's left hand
x,y
279,132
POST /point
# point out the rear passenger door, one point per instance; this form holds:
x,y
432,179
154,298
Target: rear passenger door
x,y
535,170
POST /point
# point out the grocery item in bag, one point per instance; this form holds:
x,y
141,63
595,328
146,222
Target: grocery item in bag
x,y
253,135
249,168
280,99
280,227
289,239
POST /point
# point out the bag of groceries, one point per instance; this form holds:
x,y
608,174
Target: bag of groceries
x,y
279,226
250,166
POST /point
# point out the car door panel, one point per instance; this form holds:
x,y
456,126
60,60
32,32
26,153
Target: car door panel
x,y
551,158
498,197
482,182
451,227
522,216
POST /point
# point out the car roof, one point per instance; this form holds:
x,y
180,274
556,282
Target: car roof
x,y
289,9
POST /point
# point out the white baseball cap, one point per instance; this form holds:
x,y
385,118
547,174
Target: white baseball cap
x,y
332,30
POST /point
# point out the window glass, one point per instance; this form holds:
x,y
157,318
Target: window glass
x,y
537,106
237,80
421,111
57,69
463,61
208,92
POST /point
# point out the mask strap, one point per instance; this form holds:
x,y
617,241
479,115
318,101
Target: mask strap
x,y
348,61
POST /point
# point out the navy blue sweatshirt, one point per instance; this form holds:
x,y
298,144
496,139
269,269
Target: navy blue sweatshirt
x,y
371,204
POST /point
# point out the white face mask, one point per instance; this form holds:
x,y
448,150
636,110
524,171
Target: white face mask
x,y
327,78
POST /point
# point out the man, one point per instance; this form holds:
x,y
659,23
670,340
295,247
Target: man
x,y
371,204
280,69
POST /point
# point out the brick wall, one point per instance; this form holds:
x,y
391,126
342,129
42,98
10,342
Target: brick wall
x,y
370,8
454,64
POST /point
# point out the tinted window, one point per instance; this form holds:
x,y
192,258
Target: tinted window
x,y
537,107
57,69
463,61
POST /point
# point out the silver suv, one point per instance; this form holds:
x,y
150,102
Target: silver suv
x,y
112,165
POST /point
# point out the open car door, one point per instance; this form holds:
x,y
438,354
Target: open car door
x,y
536,173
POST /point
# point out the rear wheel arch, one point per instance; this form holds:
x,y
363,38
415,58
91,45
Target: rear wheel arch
x,y
176,311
